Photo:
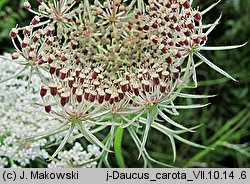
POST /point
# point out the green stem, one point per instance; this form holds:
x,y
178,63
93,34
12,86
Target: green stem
x,y
118,148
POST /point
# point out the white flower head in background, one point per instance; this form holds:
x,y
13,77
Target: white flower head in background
x,y
20,119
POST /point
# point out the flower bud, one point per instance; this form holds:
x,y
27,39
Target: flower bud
x,y
170,42
13,32
154,39
146,27
81,78
15,55
79,94
156,79
36,38
78,71
159,71
111,100
115,96
164,42
51,58
71,81
65,57
165,75
120,94
96,84
27,5
203,37
43,90
41,8
47,108
146,85
95,73
136,89
63,73
190,24
50,40
100,96
65,98
73,44
155,25
146,74
53,89
185,4
58,71
32,47
41,61
163,86
26,30
124,86
35,20
176,73
86,93
49,30
197,16
108,93
196,39
75,85
25,42
52,69
92,96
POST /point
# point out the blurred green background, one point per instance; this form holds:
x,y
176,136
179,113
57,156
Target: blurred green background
x,y
226,122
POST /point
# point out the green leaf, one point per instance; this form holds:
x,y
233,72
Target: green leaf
x,y
100,114
194,73
167,119
185,95
145,154
50,133
132,120
174,113
162,128
173,146
64,141
138,145
214,66
223,47
196,65
187,69
147,128
210,7
189,142
15,75
213,26
237,148
193,106
105,123
170,134
90,137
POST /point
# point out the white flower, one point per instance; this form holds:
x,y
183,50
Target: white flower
x,y
3,162
76,157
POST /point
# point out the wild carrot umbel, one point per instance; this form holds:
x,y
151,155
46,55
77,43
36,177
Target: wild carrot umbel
x,y
119,63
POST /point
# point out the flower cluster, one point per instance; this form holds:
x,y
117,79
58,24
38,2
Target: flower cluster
x,y
76,156
119,63
3,162
20,119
